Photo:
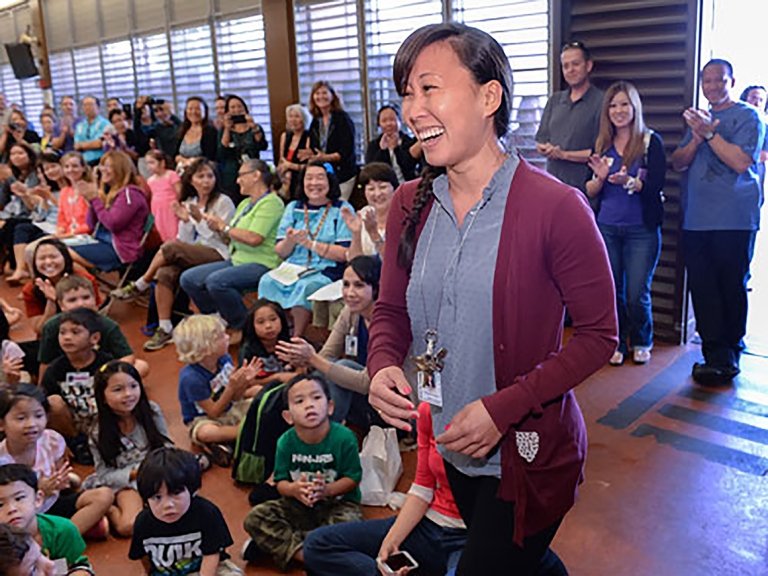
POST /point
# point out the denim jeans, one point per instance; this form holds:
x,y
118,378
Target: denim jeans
x,y
350,549
219,287
634,252
348,404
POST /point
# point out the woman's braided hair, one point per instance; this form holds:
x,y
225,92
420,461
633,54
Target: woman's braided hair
x,y
486,60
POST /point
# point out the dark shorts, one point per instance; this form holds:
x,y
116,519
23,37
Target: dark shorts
x,y
65,506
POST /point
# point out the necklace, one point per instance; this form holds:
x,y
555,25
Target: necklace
x,y
313,235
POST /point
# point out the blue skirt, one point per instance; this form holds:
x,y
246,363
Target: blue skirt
x,y
296,294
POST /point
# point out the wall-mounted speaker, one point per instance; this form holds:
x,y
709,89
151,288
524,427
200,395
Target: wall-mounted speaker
x,y
22,61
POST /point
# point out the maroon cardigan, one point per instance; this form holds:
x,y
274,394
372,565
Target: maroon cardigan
x,y
550,256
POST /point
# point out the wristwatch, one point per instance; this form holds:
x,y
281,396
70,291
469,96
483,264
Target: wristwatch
x,y
709,135
226,230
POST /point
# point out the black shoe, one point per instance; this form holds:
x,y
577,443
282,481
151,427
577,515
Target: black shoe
x,y
708,375
250,552
220,454
81,452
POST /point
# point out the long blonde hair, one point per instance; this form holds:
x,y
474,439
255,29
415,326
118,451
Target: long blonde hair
x,y
636,146
123,174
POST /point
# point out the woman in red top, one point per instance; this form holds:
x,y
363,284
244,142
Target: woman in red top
x,y
506,420
428,527
50,263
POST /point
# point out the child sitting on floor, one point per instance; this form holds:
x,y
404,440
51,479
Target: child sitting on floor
x,y
23,419
68,381
213,394
58,537
178,532
317,471
75,292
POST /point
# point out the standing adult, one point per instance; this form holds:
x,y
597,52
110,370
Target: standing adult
x,y
5,112
332,135
474,285
721,216
628,169
240,139
65,141
758,97
197,138
89,131
17,131
393,146
295,138
571,119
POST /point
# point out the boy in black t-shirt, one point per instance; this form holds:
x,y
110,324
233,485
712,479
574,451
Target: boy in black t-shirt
x,y
68,381
178,533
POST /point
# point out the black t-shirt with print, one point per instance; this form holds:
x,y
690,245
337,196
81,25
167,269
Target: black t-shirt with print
x,y
177,549
74,386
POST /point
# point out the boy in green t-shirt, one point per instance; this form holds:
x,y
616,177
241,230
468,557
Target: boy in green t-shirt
x,y
59,538
317,472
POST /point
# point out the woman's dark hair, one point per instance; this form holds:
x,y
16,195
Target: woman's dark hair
x,y
749,89
335,100
12,396
486,61
108,443
252,346
394,107
188,190
229,99
31,154
50,156
368,269
174,467
69,264
334,192
186,124
376,172
269,178
115,112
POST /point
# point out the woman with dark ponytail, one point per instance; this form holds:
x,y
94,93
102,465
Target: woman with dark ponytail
x,y
481,257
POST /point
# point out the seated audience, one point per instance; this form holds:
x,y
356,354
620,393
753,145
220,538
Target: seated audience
x,y
117,214
196,243
165,185
317,471
344,355
11,354
312,234
24,416
74,292
368,226
51,263
73,208
214,395
331,136
428,526
239,138
393,146
295,138
251,233
129,426
68,380
51,538
17,132
168,481
197,137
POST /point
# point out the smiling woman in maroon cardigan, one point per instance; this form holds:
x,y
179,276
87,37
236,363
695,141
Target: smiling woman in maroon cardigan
x,y
482,256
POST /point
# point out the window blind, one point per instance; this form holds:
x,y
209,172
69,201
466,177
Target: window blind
x,y
88,76
119,77
192,65
153,69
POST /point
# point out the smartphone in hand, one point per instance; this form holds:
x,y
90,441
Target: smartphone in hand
x,y
397,561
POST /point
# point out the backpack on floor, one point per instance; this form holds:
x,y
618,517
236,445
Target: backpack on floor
x,y
254,457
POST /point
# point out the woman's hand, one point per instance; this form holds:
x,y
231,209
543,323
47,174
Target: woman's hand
x,y
228,122
371,224
180,211
305,154
296,236
619,177
47,288
599,166
388,395
214,222
352,219
87,190
298,352
389,547
388,141
19,189
197,214
471,431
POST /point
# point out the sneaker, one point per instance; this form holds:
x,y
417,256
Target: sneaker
x,y
250,551
159,340
617,359
220,454
203,461
641,355
127,292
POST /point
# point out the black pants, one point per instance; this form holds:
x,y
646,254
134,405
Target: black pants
x,y
490,550
718,270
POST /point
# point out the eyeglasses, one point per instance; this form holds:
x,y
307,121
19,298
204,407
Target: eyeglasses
x,y
576,44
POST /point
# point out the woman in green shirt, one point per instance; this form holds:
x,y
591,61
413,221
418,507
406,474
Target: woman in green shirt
x,y
218,286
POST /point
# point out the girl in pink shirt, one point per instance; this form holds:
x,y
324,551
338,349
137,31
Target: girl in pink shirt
x,y
166,188
73,208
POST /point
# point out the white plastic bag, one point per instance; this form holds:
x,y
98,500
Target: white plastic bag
x,y
382,466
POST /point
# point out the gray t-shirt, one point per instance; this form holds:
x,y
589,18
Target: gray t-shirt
x,y
572,126
452,286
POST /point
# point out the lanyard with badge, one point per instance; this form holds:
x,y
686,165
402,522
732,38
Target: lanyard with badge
x,y
431,362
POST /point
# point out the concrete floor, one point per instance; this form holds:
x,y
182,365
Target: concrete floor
x,y
675,481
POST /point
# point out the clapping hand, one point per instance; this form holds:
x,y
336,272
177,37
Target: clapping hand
x,y
58,480
700,122
47,288
371,223
298,352
180,211
214,222
296,237
353,220
600,166
19,189
87,190
620,178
